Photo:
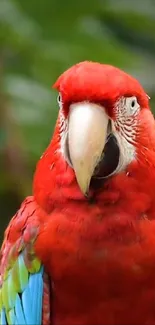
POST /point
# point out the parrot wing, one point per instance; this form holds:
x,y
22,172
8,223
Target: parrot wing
x,y
24,286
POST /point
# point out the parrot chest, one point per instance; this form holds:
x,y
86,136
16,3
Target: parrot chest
x,y
101,272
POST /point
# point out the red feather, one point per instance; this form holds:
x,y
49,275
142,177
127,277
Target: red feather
x,y
99,83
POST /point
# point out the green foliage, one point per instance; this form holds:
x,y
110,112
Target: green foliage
x,y
38,41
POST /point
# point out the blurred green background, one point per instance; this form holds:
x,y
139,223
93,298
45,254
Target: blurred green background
x,y
39,39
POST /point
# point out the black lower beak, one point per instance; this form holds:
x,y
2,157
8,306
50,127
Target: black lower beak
x,y
109,160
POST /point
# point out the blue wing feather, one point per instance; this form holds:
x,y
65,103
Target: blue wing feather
x,y
27,308
36,287
27,303
32,299
19,312
3,317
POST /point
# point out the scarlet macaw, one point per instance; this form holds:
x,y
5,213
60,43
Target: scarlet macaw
x,y
81,250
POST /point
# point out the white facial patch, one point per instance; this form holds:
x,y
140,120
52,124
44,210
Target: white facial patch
x,y
63,125
124,129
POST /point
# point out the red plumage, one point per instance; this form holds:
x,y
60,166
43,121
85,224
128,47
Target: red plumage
x,y
98,83
99,251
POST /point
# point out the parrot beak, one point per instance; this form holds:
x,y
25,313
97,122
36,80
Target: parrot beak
x,y
87,134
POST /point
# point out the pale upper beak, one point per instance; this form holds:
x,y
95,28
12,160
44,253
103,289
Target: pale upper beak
x,y
87,136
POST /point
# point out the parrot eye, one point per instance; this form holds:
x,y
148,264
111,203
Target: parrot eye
x,y
132,105
59,100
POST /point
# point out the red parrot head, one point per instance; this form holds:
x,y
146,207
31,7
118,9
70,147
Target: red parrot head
x,y
104,128
106,117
